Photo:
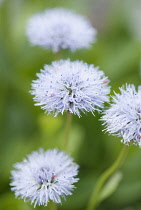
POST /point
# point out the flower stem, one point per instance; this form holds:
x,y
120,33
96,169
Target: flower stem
x,y
52,206
94,200
58,55
67,131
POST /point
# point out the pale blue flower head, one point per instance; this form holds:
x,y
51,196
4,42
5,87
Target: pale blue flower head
x,y
44,176
123,118
60,28
72,86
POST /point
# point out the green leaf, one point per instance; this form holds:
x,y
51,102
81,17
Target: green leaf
x,y
111,186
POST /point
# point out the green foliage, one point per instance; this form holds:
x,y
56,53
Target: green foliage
x,y
111,186
25,128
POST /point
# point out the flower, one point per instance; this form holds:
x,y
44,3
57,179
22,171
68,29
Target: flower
x,y
60,28
44,176
72,86
123,118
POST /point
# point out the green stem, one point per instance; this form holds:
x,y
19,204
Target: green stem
x,y
52,206
58,55
67,130
94,200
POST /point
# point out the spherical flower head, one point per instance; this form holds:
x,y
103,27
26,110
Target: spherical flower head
x,y
70,86
60,28
123,118
44,176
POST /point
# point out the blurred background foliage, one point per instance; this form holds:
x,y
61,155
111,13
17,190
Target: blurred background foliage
x,y
25,128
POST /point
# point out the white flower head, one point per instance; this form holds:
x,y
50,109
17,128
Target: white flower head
x,y
60,28
123,118
44,176
70,86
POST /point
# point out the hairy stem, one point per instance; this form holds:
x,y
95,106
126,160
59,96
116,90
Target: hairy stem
x,y
67,130
94,200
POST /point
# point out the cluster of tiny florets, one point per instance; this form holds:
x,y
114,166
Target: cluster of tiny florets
x,y
60,28
70,86
44,176
65,85
123,118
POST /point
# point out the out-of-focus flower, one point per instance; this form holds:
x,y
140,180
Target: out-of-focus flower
x,y
123,118
70,86
60,28
1,1
44,176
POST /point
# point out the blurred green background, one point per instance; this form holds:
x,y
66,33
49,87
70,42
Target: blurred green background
x,y
25,128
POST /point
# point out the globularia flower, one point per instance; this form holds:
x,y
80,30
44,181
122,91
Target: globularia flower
x,y
123,118
44,176
70,86
60,28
